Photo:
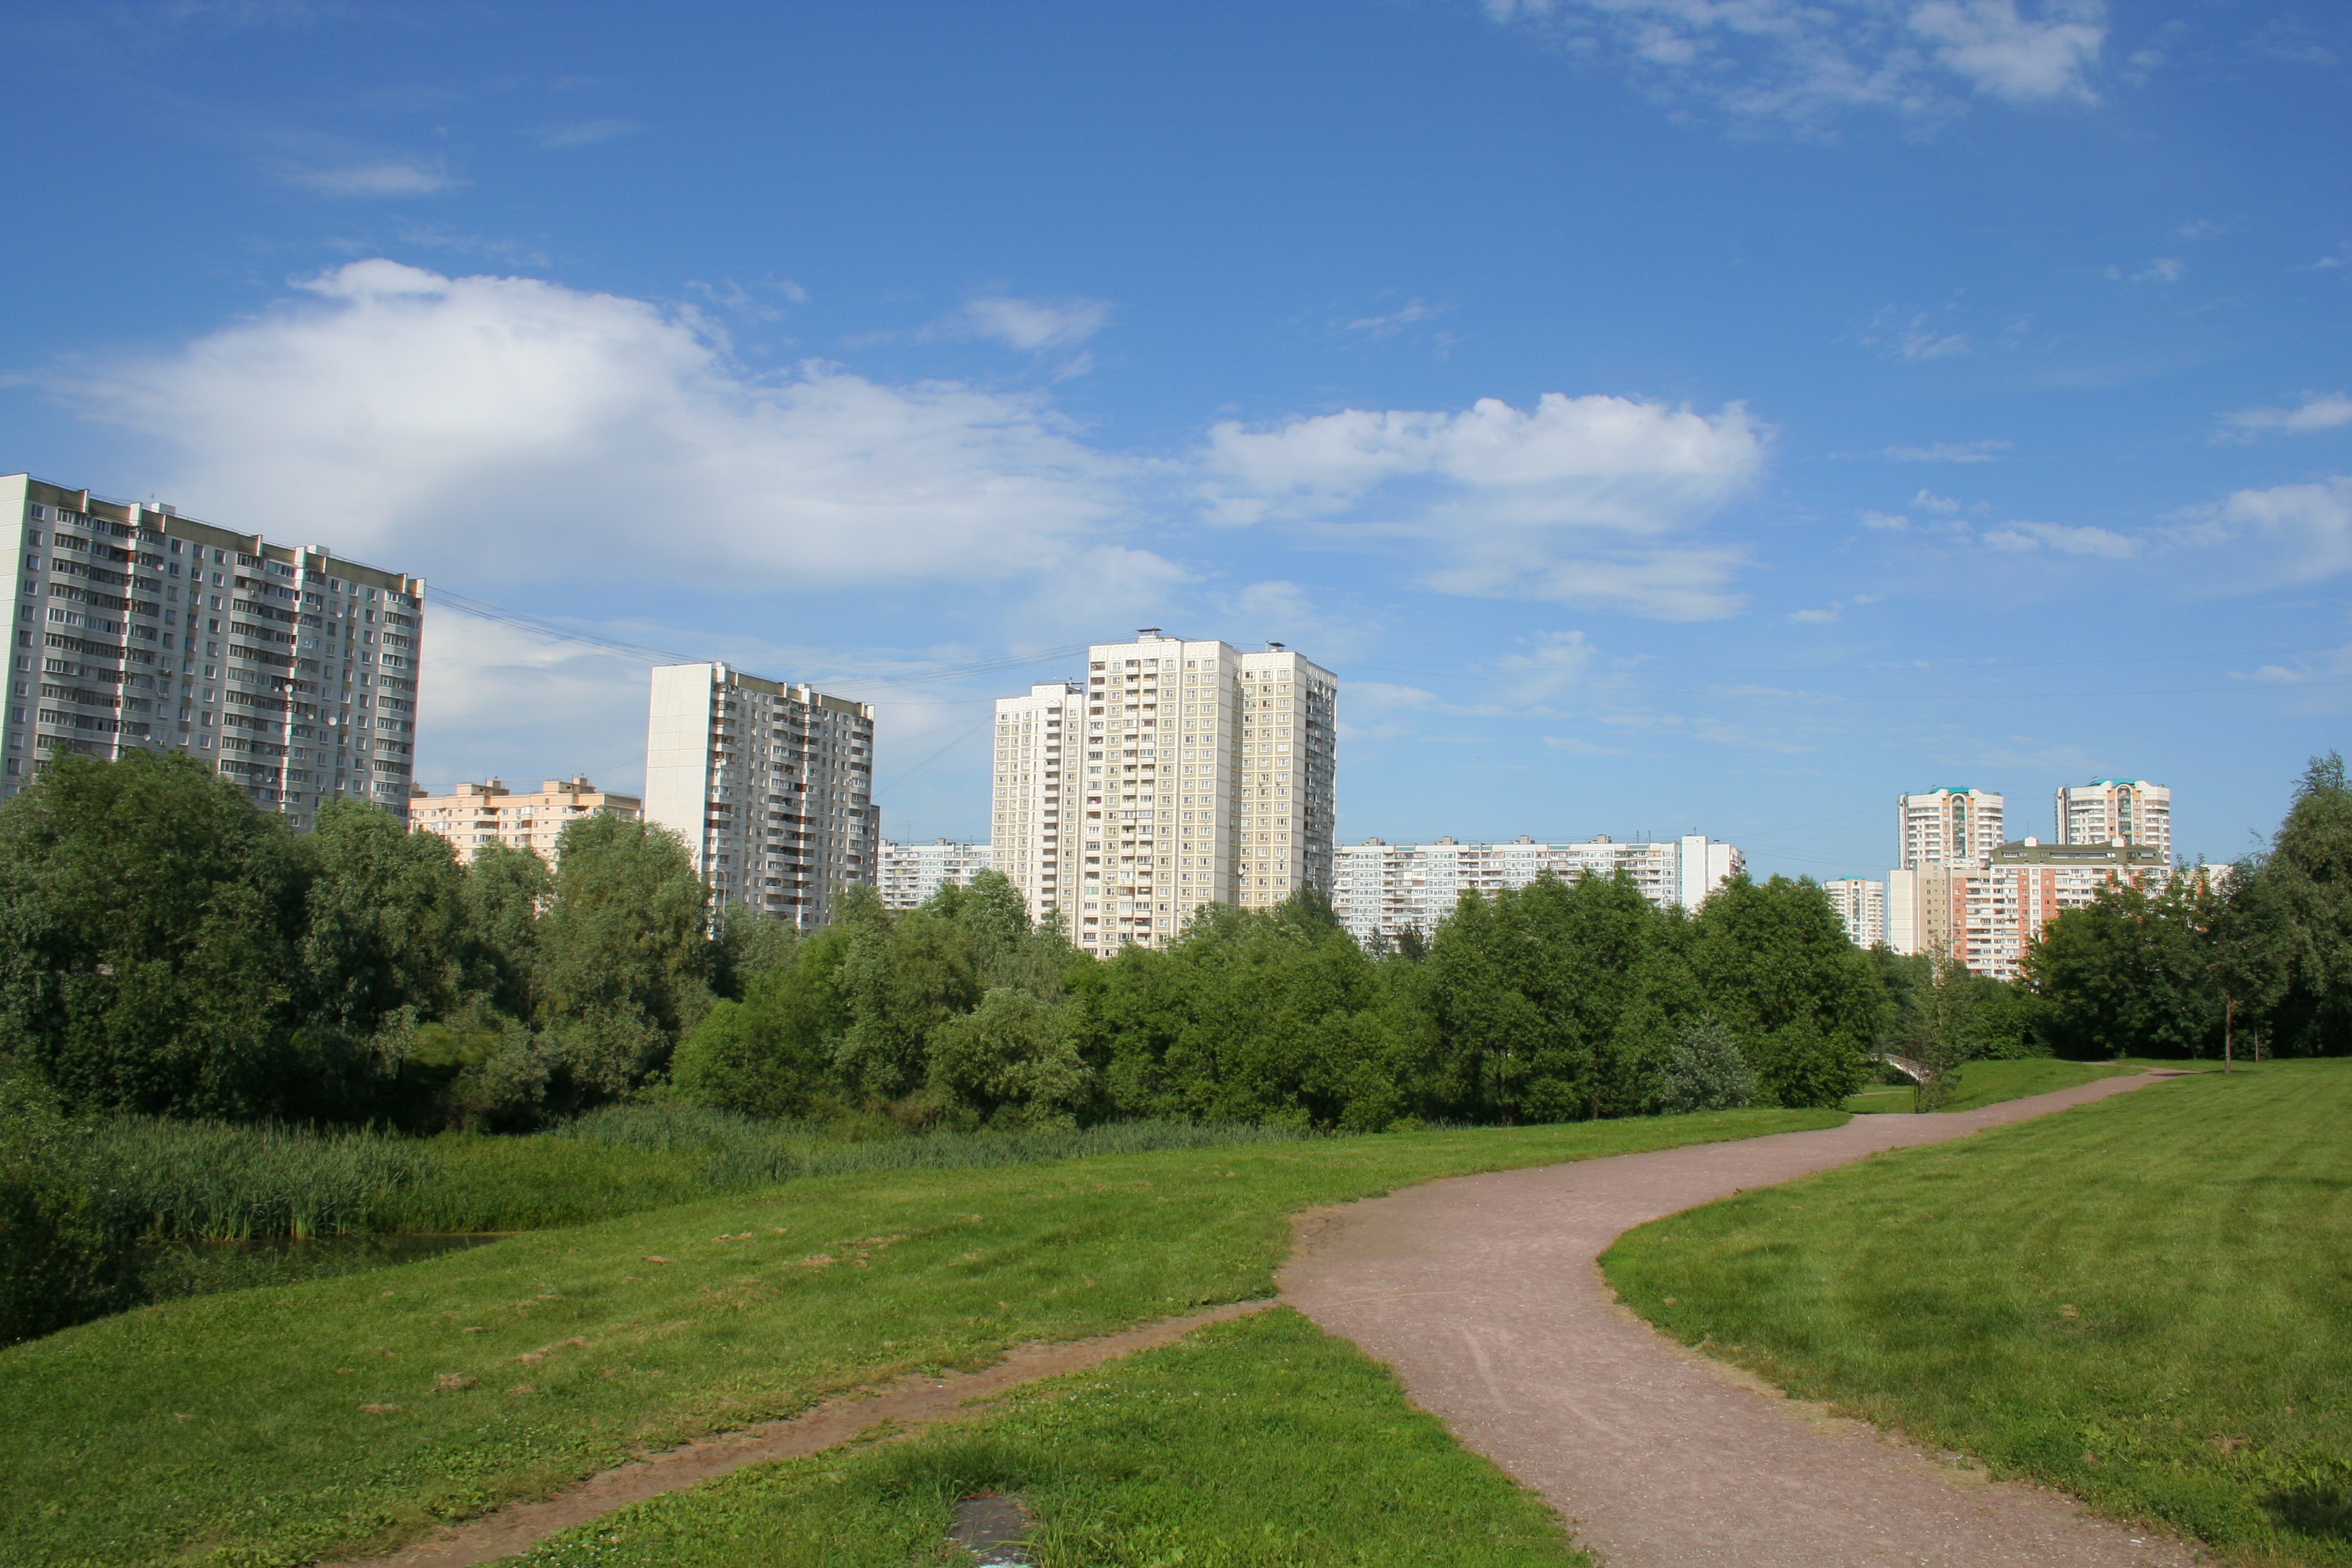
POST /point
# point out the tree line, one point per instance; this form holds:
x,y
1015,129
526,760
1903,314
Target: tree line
x,y
169,949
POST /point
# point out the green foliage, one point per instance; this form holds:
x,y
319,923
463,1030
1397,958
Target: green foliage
x,y
59,1262
1705,1071
1260,1444
2140,1302
150,928
1773,962
1013,1061
2127,975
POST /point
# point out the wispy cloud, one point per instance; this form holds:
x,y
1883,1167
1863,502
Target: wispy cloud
x,y
2286,534
378,177
2066,539
1805,64
1946,452
2319,411
2163,270
582,132
1032,326
1413,313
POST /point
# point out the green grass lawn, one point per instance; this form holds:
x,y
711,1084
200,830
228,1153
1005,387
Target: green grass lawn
x,y
272,1425
2146,1301
1989,1083
1258,1444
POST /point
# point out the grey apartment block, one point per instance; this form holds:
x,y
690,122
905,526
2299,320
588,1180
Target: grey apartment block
x,y
286,668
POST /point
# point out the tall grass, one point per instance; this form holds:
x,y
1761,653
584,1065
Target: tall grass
x,y
202,1181
153,1180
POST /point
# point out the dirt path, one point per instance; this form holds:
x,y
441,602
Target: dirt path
x,y
911,1402
1485,1294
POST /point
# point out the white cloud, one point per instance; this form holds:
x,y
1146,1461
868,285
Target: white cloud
x,y
1412,314
1928,500
2065,538
1581,499
506,427
2163,270
1577,747
1032,326
1813,617
1804,63
2307,527
1885,523
2318,412
381,177
2007,57
583,132
1947,452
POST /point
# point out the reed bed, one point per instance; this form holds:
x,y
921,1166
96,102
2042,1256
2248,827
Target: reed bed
x,y
203,1181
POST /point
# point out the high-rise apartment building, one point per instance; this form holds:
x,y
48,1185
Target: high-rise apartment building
x,y
474,815
1862,907
289,670
1953,826
1988,916
1036,797
913,873
1189,773
1383,889
2131,810
769,785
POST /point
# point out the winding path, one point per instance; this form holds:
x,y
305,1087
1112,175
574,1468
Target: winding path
x,y
1485,1295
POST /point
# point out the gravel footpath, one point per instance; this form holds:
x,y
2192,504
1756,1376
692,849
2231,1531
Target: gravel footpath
x,y
1485,1294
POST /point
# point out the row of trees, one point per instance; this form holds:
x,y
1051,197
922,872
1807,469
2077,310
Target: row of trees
x,y
1552,1002
2255,963
167,947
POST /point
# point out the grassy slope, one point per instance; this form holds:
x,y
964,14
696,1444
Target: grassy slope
x,y
1989,1083
2146,1301
1260,1444
240,1421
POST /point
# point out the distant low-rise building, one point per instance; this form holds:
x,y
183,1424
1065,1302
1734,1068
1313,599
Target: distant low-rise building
x,y
912,874
1381,889
474,815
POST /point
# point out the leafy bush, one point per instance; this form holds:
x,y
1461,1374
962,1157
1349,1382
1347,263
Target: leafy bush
x,y
1704,1072
58,1263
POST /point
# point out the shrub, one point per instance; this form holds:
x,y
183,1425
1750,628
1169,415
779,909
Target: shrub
x,y
1705,1071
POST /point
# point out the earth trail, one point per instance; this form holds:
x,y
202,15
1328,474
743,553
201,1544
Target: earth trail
x,y
907,1404
1485,1294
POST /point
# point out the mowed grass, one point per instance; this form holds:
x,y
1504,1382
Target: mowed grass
x,y
2146,1301
1989,1083
1258,1444
275,1426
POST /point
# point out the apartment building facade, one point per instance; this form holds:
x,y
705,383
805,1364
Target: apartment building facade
x,y
1381,890
912,874
286,668
473,815
1185,772
2132,810
1861,905
769,785
1988,916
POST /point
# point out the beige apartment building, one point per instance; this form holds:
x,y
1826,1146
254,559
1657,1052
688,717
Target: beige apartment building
x,y
474,815
2131,810
286,668
1176,773
769,785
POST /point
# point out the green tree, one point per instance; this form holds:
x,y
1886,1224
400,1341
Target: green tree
x,y
772,1053
506,888
2291,928
1705,1071
1774,963
2126,975
1012,1062
151,922
386,938
625,957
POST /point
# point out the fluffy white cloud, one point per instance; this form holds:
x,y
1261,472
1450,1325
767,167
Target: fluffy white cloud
x,y
518,427
2318,413
2307,527
2009,56
1579,500
1803,62
2065,538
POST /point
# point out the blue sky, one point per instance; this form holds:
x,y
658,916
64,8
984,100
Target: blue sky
x,y
1664,414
